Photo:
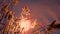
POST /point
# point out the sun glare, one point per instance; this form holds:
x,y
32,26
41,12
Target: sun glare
x,y
25,24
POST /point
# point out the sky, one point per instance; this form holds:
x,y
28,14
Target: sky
x,y
45,11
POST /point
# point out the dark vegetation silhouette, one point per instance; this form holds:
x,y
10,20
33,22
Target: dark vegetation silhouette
x,y
51,27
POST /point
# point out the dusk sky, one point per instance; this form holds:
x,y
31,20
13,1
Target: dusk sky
x,y
45,11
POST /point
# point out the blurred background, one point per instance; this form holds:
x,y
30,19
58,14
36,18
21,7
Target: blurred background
x,y
45,11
